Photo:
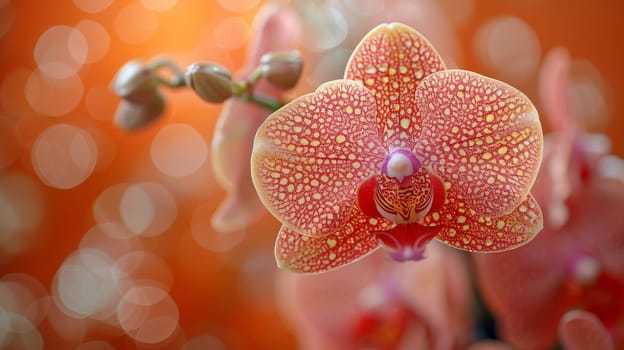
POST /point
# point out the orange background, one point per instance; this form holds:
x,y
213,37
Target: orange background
x,y
207,285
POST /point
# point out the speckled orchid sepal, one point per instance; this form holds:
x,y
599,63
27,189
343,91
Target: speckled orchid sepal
x,y
310,156
482,136
391,61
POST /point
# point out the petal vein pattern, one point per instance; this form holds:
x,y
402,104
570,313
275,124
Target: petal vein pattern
x,y
310,156
482,136
391,61
466,229
349,243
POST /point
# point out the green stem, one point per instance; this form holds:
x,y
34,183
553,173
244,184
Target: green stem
x,y
262,101
178,76
176,82
242,90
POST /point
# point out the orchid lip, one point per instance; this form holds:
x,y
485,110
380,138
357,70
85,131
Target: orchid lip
x,y
400,163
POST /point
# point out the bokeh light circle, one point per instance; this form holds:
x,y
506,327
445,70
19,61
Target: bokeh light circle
x,y
325,26
93,6
87,285
7,18
66,326
98,39
147,208
137,209
64,156
509,47
111,238
61,51
145,266
589,95
24,295
178,150
148,314
17,332
21,210
42,93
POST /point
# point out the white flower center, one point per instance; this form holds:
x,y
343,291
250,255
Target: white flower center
x,y
399,166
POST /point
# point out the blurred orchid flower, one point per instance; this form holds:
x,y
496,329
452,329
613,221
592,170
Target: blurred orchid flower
x,y
575,263
399,152
571,154
381,305
581,330
274,29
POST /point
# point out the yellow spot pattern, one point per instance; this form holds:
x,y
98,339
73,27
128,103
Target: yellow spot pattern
x,y
465,229
305,254
327,138
483,136
391,61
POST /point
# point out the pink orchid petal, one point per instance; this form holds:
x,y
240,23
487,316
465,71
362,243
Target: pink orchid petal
x,y
233,135
275,28
580,330
311,254
465,229
320,308
489,345
597,223
553,90
482,136
529,316
310,156
323,309
232,143
237,211
391,60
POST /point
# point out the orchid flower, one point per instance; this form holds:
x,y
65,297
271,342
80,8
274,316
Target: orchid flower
x,y
380,305
274,29
579,330
576,262
399,152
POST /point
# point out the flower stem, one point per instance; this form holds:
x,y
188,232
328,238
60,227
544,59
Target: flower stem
x,y
242,89
262,101
178,76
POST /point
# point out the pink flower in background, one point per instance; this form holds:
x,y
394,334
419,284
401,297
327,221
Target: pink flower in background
x,y
576,262
581,330
274,29
398,153
377,304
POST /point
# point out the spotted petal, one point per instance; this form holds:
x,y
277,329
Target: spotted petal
x,y
351,242
482,136
391,60
310,156
466,229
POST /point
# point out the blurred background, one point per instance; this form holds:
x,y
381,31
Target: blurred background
x,y
78,195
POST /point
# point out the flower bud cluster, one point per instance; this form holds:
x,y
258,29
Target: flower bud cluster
x,y
142,103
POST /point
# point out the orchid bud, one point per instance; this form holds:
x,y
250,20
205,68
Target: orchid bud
x,y
282,69
212,82
132,115
135,81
